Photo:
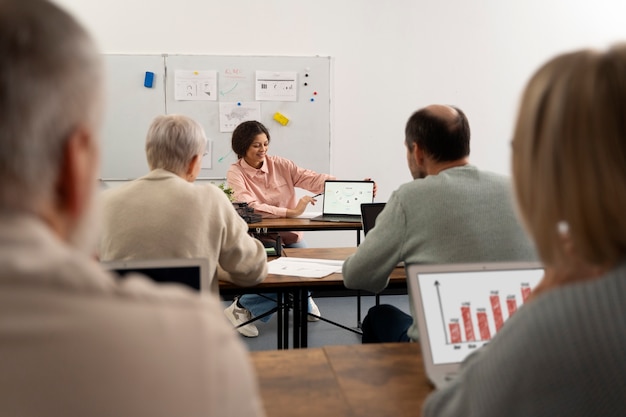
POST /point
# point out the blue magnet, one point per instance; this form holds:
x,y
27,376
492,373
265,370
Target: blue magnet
x,y
148,81
312,99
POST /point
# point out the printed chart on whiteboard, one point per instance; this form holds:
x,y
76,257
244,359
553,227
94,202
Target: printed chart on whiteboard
x,y
465,310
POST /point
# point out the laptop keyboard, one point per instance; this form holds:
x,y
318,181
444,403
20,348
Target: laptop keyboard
x,y
341,218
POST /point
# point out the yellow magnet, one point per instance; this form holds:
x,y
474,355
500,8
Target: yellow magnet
x,y
280,118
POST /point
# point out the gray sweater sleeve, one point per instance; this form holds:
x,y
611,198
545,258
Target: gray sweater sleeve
x,y
369,268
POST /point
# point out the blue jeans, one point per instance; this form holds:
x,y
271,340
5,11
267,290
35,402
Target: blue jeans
x,y
386,323
257,304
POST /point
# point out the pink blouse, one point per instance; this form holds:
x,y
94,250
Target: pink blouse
x,y
270,190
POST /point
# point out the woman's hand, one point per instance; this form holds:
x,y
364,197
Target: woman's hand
x,y
301,206
375,187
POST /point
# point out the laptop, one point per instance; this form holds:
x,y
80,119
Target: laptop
x,y
369,212
343,199
459,307
191,272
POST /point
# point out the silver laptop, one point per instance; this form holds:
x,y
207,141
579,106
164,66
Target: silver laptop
x,y
192,272
343,199
459,307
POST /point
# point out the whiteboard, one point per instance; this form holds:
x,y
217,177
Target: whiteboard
x,y
131,107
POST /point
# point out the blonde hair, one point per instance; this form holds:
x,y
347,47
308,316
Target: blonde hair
x,y
569,155
172,142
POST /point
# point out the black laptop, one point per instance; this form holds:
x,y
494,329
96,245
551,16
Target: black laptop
x,y
369,212
192,272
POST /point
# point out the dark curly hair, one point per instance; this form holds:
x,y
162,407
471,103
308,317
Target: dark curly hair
x,y
244,135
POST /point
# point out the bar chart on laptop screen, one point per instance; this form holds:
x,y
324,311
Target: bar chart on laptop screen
x,y
464,310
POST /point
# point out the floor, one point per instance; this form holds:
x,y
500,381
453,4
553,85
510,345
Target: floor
x,y
340,309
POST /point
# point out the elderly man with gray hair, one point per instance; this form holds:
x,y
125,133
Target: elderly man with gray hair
x,y
165,215
74,341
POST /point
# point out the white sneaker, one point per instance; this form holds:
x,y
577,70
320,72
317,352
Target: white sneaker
x,y
237,315
313,309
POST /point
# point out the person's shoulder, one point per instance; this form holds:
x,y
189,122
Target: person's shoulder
x,y
132,186
472,171
235,166
40,264
210,191
492,175
279,160
586,303
417,186
111,193
473,175
66,273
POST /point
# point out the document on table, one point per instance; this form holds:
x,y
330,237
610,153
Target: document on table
x,y
304,267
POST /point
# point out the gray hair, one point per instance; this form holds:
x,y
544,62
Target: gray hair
x,y
51,83
172,142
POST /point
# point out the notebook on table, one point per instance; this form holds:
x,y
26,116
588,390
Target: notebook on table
x,y
192,272
343,199
459,307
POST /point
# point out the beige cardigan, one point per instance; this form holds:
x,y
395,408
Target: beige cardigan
x,y
161,215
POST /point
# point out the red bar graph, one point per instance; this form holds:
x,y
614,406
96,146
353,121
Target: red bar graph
x,y
483,324
467,322
486,311
525,291
511,304
455,331
496,308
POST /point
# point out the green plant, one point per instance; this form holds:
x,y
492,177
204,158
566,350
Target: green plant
x,y
228,191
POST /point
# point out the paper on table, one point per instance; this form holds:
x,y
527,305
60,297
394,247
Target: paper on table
x,y
304,267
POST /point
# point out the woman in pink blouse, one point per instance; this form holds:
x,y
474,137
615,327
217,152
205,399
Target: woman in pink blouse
x,y
267,183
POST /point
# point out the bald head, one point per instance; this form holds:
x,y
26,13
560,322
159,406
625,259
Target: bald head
x,y
442,133
443,112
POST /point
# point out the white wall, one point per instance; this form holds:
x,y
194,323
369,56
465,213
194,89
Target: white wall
x,y
390,58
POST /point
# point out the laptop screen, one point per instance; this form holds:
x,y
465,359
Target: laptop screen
x,y
346,197
189,272
463,309
369,213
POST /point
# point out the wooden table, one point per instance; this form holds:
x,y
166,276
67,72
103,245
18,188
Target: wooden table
x,y
301,224
300,286
355,380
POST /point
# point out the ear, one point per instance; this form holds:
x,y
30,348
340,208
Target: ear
x,y
417,153
76,176
193,168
